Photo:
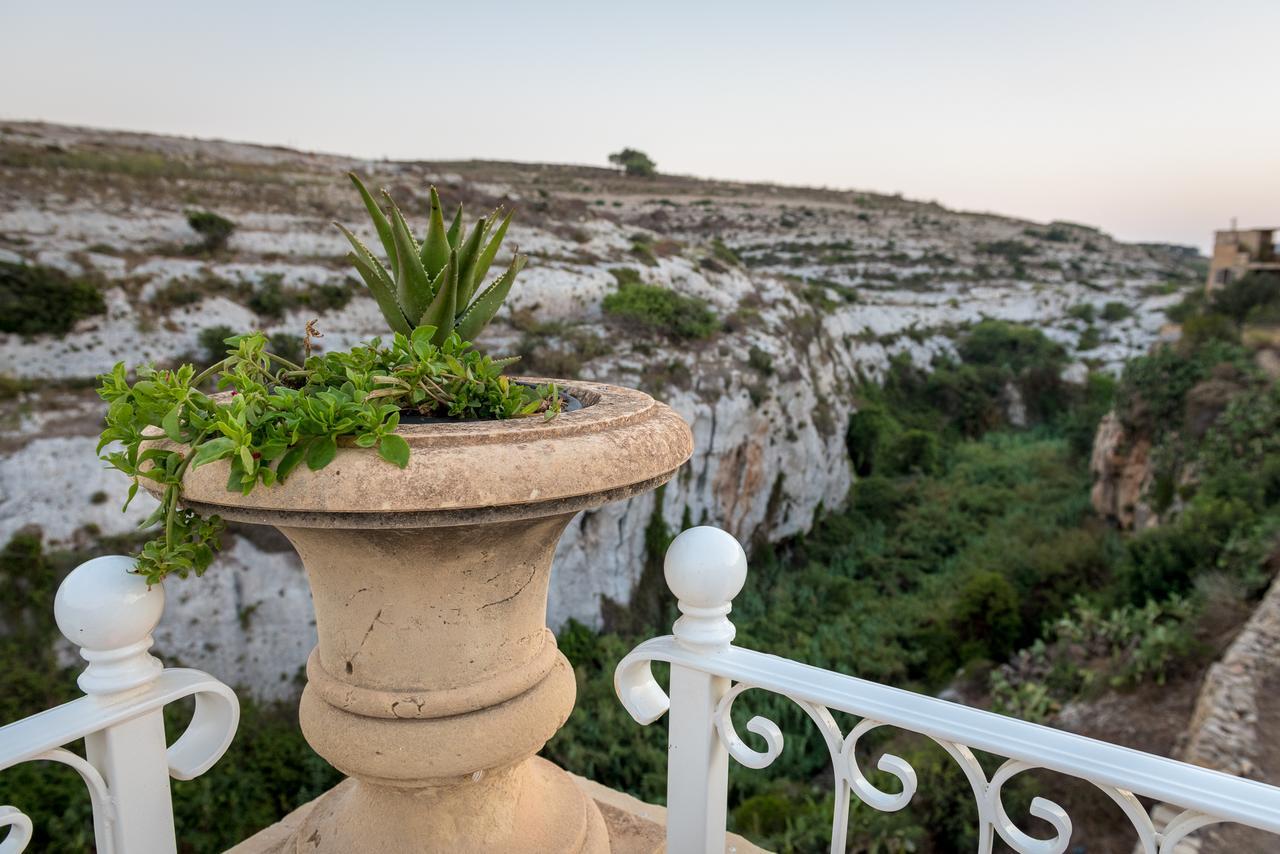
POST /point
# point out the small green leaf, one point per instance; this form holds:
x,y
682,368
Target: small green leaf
x,y
394,449
214,449
170,424
435,248
421,340
290,460
321,452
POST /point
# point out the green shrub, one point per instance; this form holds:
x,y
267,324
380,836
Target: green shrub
x,y
1153,388
1201,329
1090,339
1082,311
913,451
37,300
1191,304
214,230
1251,292
1009,345
634,162
1163,561
721,252
1113,312
1010,250
643,252
869,429
212,342
985,616
328,296
760,360
288,346
662,310
269,299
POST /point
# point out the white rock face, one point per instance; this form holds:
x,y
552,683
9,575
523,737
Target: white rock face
x,y
831,287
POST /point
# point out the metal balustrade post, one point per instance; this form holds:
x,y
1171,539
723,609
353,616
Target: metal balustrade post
x,y
705,568
110,612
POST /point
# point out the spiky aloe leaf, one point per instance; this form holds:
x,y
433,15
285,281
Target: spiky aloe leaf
x,y
413,285
487,254
455,229
435,249
480,312
442,309
467,257
381,294
377,280
380,221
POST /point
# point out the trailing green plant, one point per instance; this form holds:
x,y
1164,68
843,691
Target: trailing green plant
x,y
280,415
435,283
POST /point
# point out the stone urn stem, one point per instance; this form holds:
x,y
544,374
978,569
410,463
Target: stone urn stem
x,y
436,681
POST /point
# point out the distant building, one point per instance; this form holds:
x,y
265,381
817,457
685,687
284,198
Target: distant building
x,y
1238,251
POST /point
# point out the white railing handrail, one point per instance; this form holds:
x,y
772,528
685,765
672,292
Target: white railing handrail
x,y
706,568
110,612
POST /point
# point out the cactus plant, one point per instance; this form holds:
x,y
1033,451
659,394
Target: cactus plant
x,y
435,283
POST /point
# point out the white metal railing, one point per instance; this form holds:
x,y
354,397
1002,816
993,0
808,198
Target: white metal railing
x,y
706,568
109,613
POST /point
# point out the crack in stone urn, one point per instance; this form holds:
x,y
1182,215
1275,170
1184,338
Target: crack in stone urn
x,y
436,680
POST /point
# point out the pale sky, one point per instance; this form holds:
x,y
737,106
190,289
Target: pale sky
x,y
1153,120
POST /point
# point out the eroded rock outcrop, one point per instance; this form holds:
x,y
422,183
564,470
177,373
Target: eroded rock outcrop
x,y
1122,474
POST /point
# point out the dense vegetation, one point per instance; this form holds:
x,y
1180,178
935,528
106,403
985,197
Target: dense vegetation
x,y
653,308
968,553
966,540
36,300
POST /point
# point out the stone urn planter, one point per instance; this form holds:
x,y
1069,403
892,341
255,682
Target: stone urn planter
x,y
436,680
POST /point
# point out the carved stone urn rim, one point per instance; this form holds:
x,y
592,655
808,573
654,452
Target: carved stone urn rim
x,y
621,443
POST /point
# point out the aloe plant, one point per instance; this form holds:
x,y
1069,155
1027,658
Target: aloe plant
x,y
435,283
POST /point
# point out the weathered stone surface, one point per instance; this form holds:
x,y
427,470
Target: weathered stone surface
x,y
1224,732
1122,474
634,826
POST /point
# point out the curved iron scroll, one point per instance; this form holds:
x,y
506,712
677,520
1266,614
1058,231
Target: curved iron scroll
x,y
818,692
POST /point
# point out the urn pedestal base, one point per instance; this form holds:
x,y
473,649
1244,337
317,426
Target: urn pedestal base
x,y
534,807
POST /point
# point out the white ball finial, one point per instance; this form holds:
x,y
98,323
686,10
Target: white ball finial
x,y
108,611
705,568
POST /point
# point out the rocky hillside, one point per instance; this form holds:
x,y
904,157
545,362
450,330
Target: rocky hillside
x,y
810,292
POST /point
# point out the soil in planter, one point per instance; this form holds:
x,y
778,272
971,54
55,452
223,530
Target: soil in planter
x,y
568,403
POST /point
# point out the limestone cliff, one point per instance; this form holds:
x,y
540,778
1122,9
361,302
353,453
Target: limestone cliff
x,y
815,291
